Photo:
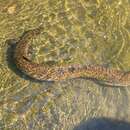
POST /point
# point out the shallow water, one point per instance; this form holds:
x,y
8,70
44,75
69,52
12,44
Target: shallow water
x,y
75,31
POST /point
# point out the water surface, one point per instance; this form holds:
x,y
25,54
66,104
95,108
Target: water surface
x,y
75,31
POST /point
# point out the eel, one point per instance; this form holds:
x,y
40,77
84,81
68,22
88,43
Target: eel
x,y
109,76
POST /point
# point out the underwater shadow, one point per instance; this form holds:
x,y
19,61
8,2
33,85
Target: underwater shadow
x,y
11,62
103,124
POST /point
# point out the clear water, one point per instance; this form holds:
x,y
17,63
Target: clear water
x,y
75,31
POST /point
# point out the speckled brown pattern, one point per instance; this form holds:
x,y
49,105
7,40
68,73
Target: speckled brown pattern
x,y
55,73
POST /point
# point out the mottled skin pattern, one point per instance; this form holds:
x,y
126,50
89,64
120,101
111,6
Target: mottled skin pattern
x,y
56,73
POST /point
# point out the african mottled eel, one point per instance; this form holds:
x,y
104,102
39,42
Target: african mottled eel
x,y
40,72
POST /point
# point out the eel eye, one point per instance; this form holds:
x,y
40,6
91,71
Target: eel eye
x,y
25,58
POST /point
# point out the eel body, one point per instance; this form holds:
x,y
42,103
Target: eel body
x,y
40,72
